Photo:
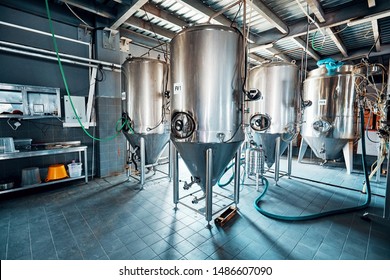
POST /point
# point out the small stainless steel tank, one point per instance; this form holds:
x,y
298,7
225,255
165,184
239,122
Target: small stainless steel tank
x,y
275,113
145,82
331,121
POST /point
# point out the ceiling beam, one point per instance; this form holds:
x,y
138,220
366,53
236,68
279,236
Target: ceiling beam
x,y
338,42
89,8
309,50
126,12
253,48
155,11
256,57
206,11
332,19
375,31
269,15
128,2
145,25
385,50
316,8
139,38
277,53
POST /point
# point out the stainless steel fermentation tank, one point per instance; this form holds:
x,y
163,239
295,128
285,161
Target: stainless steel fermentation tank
x,y
272,119
206,109
145,83
330,123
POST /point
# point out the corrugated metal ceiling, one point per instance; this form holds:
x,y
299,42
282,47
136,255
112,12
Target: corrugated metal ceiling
x,y
283,23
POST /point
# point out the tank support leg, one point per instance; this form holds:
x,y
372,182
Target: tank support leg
x,y
175,174
302,150
209,190
237,163
142,155
289,159
277,159
170,156
348,156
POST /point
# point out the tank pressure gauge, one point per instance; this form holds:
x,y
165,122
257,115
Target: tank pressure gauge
x,y
260,122
182,125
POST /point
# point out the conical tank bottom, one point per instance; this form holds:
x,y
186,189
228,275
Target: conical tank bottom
x,y
325,147
194,156
268,142
154,144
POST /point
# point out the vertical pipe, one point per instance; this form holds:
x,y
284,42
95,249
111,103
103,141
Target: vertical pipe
x,y
175,174
142,154
379,161
237,163
86,165
170,155
289,160
277,158
209,190
386,210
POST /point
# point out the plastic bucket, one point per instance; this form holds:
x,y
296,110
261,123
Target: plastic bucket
x,y
7,145
74,169
56,172
30,176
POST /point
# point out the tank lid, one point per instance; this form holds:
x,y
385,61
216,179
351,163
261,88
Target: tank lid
x,y
272,63
143,60
322,71
206,26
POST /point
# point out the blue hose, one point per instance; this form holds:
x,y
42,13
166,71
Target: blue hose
x,y
327,213
231,177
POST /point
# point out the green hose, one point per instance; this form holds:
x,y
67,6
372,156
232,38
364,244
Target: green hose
x,y
124,122
327,213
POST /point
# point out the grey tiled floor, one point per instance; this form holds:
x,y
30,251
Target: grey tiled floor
x,y
112,219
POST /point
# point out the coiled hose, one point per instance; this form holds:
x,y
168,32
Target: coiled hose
x,y
327,213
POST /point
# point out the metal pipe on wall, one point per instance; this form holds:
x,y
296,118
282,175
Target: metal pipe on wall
x,y
112,65
42,32
55,58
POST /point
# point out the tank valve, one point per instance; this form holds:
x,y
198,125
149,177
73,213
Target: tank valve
x,y
194,180
195,200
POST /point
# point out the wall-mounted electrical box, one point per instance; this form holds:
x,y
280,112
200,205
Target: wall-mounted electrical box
x,y
79,106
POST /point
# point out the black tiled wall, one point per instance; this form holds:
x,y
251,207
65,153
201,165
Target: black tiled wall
x,y
25,70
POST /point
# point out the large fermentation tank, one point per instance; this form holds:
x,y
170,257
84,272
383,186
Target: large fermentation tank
x,y
206,110
145,84
331,121
274,115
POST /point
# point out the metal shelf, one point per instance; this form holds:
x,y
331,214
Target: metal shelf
x,y
15,189
47,152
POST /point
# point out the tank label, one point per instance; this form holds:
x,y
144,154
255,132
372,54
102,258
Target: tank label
x,y
322,102
177,88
